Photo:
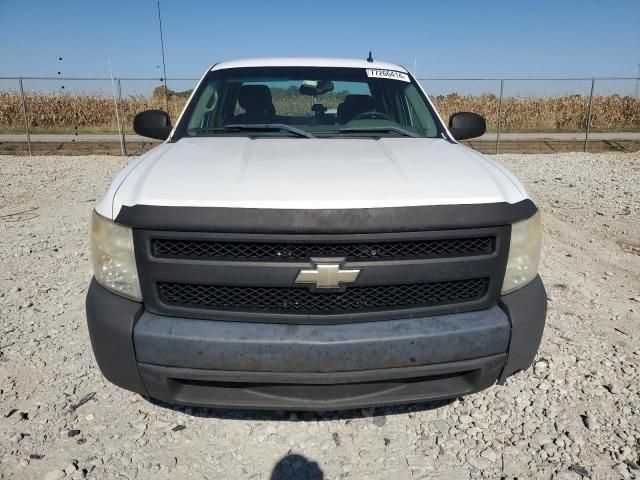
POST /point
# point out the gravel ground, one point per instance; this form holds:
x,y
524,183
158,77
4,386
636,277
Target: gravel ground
x,y
576,413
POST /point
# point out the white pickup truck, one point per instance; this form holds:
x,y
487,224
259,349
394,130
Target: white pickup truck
x,y
311,235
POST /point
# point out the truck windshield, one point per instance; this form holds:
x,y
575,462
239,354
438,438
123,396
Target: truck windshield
x,y
308,102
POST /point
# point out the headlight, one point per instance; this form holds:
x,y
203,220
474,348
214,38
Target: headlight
x,y
114,263
524,253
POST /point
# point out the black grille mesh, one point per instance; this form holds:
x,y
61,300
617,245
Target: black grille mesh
x,y
300,300
174,248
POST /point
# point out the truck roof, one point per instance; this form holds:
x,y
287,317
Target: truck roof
x,y
308,62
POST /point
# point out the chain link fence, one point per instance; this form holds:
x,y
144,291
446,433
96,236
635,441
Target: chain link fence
x,y
573,109
40,115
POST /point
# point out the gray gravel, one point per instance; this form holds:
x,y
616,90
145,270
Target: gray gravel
x,y
575,414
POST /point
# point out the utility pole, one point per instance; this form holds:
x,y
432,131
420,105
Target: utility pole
x,y
164,66
638,81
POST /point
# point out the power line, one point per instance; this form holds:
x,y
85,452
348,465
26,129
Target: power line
x,y
164,66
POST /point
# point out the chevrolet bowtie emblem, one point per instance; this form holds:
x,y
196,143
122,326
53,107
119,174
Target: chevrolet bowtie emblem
x,y
327,275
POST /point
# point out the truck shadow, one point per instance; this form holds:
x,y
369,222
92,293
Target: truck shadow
x,y
378,414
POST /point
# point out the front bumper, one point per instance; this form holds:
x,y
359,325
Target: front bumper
x,y
314,367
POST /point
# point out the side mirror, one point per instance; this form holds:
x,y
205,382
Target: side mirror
x,y
463,125
152,124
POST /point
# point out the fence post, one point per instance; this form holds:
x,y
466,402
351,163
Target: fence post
x,y
120,118
499,117
26,115
586,133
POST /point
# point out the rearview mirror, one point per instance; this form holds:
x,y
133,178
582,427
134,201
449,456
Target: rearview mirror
x,y
463,125
314,88
153,124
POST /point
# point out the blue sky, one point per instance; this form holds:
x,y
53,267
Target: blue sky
x,y
463,38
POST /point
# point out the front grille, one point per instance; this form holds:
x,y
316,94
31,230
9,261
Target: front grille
x,y
251,277
209,249
300,300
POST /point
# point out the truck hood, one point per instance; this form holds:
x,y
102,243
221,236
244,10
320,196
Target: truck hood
x,y
300,173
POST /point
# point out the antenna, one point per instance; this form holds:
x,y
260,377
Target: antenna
x,y
370,58
164,66
117,107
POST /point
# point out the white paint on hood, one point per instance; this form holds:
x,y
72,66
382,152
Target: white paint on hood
x,y
299,173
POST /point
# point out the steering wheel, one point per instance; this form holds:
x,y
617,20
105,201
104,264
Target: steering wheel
x,y
372,115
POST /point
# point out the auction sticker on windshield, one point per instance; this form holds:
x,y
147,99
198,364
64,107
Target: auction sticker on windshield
x,y
390,74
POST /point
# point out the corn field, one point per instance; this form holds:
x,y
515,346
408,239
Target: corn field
x,y
65,113
547,114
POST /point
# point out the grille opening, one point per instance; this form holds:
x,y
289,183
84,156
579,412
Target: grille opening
x,y
188,390
301,300
188,382
435,248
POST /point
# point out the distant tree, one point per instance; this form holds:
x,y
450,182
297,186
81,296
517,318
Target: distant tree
x,y
159,92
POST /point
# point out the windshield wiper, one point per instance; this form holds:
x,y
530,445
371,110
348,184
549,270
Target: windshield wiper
x,y
256,127
390,128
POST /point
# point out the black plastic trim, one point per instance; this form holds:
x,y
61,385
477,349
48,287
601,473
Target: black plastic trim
x,y
527,310
219,345
267,390
111,320
243,250
374,272
360,220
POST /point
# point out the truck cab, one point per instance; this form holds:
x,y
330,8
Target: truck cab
x,y
311,235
